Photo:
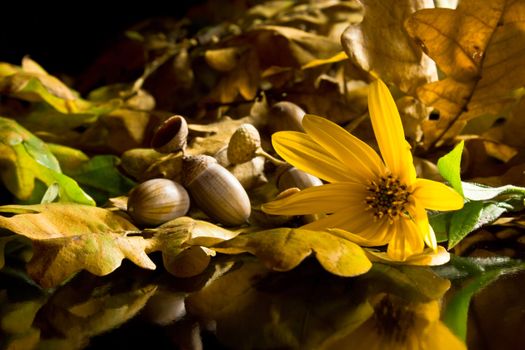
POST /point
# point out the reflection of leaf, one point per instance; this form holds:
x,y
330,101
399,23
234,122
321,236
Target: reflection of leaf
x,y
478,46
68,238
380,44
88,306
301,309
476,273
413,282
24,158
283,249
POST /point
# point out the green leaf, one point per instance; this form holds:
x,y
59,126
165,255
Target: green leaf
x,y
479,192
450,167
99,176
24,158
472,216
477,273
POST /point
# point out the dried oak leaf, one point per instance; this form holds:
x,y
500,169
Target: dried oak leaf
x,y
478,46
282,249
380,44
260,52
70,237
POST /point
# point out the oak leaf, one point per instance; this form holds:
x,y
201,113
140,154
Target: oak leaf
x,y
70,237
283,249
478,47
24,158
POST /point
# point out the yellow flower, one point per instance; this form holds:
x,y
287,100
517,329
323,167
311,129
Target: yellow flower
x,y
379,201
400,324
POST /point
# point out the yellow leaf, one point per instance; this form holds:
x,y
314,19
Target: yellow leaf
x,y
338,57
283,249
380,44
68,238
478,46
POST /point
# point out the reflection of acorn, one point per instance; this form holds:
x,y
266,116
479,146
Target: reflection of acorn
x,y
215,190
285,115
157,201
171,135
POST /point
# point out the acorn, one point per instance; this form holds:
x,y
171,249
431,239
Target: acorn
x,y
171,135
245,144
292,177
285,115
215,190
157,201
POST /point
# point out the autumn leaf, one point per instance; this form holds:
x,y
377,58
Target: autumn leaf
x,y
180,242
381,45
478,47
68,238
24,158
282,249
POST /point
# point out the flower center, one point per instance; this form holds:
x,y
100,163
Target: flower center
x,y
387,196
393,320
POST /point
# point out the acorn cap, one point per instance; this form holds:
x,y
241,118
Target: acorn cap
x,y
244,142
171,135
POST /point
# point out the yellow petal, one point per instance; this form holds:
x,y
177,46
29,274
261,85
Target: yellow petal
x,y
359,159
374,241
319,199
343,219
389,132
301,151
436,196
406,240
438,337
427,258
427,233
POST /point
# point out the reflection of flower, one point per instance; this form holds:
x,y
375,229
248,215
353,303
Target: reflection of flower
x,y
379,201
399,324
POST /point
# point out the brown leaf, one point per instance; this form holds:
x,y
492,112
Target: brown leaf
x,y
478,47
380,44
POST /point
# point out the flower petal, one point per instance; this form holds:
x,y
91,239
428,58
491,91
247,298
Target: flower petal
x,y
343,219
406,240
301,151
389,132
436,196
373,241
359,159
427,258
427,233
327,198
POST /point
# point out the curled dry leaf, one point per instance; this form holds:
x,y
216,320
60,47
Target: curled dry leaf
x,y
381,45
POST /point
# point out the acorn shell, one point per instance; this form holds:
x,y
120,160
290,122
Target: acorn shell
x,y
171,135
157,201
215,190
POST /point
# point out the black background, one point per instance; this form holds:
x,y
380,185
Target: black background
x,y
66,38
